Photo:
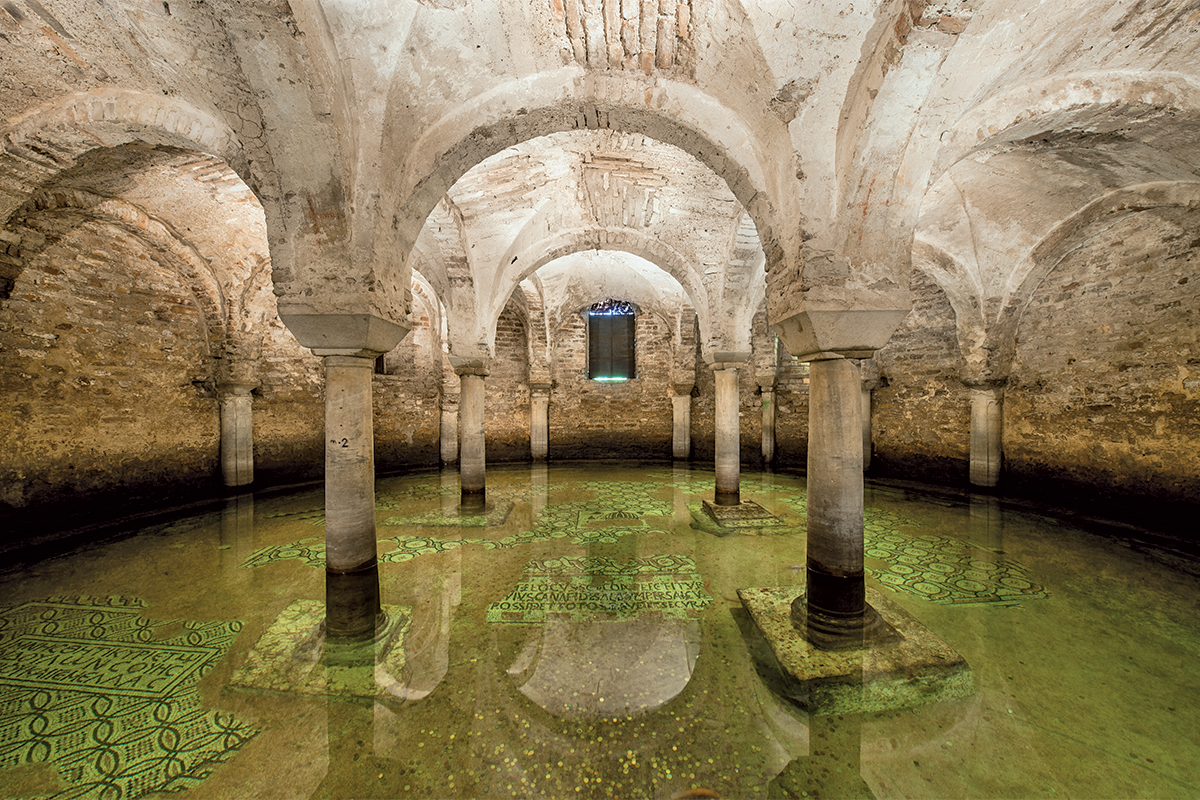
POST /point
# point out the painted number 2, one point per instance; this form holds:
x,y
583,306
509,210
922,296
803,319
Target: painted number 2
x,y
342,442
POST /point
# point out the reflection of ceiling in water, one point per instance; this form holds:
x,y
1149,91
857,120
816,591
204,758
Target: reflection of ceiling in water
x,y
602,637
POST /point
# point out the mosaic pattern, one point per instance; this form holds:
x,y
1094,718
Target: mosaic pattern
x,y
493,517
308,551
934,568
108,697
582,588
947,570
291,656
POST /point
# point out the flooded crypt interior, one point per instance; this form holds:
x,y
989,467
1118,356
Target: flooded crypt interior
x,y
582,636
599,398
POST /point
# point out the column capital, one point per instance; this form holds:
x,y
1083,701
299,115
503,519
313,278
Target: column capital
x,y
682,389
725,359
540,389
362,335
471,365
837,321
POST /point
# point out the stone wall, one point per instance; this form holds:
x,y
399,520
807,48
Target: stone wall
x,y
612,420
106,382
1105,392
407,395
506,412
921,416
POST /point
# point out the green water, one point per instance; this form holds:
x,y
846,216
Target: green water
x,y
582,637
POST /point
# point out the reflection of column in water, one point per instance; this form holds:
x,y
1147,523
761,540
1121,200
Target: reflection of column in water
x,y
833,767
681,475
350,740
427,642
538,490
450,492
985,526
237,530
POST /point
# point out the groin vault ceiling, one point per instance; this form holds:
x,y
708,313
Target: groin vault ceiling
x,y
817,151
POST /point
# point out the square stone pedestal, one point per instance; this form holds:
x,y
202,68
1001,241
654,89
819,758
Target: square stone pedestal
x,y
747,517
293,656
918,669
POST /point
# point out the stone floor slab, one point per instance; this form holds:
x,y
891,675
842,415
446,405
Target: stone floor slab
x,y
919,669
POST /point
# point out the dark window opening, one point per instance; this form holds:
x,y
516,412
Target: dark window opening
x,y
611,341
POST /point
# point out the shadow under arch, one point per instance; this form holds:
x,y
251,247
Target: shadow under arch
x,y
193,270
1085,102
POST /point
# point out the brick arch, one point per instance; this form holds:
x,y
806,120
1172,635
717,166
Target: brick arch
x,y
626,241
37,145
989,349
193,270
673,113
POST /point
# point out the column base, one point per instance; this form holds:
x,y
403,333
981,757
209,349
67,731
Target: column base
x,y
837,632
352,610
473,502
918,668
727,498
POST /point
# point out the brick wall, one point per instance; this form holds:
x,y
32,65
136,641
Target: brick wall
x,y
105,380
921,417
506,412
1105,392
612,420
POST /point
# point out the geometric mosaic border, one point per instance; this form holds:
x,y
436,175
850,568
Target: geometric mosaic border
x,y
107,698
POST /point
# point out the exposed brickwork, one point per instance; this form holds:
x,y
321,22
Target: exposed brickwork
x,y
104,374
506,413
1105,393
921,417
615,420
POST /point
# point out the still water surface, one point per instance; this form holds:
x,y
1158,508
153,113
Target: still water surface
x,y
583,638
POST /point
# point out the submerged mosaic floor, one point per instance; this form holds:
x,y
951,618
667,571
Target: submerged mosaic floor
x,y
107,697
583,637
586,588
934,568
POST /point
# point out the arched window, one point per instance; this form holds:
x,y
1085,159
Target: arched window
x,y
611,341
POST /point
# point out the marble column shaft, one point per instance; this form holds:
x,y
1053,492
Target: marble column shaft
x,y
448,433
987,430
835,488
472,459
728,442
237,436
349,463
539,424
768,424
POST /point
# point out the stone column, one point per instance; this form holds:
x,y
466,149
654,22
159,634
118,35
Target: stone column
x,y
987,428
681,441
472,456
237,435
352,574
449,429
539,421
836,597
728,444
349,343
768,422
